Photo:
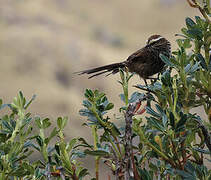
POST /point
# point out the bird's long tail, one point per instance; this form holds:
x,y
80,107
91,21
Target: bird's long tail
x,y
108,69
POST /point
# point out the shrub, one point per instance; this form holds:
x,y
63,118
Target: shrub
x,y
170,142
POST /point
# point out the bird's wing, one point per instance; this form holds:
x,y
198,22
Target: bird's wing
x,y
139,55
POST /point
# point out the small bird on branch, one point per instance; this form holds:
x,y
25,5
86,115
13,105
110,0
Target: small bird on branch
x,y
145,62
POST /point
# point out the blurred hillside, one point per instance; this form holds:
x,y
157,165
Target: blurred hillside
x,y
43,42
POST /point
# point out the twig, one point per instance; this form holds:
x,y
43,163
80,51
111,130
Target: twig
x,y
184,157
128,141
116,172
97,158
109,177
130,171
176,154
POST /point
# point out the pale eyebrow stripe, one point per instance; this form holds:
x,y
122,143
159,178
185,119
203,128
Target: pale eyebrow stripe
x,y
157,39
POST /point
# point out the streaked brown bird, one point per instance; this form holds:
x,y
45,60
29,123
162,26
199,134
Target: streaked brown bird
x,y
145,62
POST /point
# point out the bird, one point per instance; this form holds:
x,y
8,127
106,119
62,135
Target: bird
x,y
145,62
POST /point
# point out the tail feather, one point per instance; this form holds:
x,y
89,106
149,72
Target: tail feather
x,y
97,74
111,69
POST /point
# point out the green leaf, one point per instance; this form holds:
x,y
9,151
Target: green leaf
x,y
166,60
61,122
156,87
201,59
195,33
194,68
185,175
28,103
57,148
179,42
5,105
87,104
187,44
97,153
89,94
104,99
152,112
21,95
99,95
120,82
166,78
21,100
85,112
159,109
7,126
115,130
38,173
109,106
31,144
209,65
89,114
130,76
153,167
71,144
189,167
200,22
144,174
38,122
84,142
155,124
122,74
190,23
135,96
202,150
19,172
39,141
53,134
45,123
184,31
172,120
187,68
164,120
203,79
181,123
83,173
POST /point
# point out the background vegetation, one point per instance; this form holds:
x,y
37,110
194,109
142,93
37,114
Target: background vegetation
x,y
161,137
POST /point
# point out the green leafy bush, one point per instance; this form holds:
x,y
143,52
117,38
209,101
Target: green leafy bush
x,y
169,140
17,143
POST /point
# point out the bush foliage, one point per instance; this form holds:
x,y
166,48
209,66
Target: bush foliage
x,y
169,141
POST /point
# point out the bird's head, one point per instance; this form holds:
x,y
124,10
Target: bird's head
x,y
158,42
